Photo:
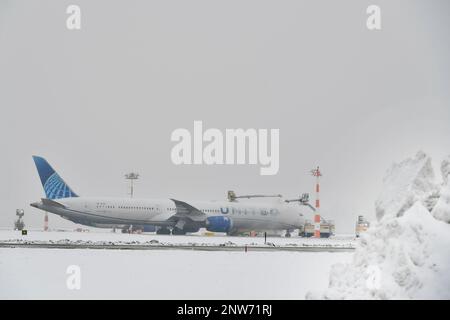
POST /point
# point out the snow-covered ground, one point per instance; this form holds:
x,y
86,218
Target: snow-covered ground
x,y
120,238
172,274
161,274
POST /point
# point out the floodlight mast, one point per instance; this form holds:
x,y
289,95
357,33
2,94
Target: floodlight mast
x,y
132,176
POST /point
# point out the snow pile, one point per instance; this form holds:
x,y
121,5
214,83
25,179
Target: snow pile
x,y
402,258
405,183
405,255
108,238
329,243
441,210
445,169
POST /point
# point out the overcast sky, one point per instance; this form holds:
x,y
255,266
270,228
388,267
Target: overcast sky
x,y
103,100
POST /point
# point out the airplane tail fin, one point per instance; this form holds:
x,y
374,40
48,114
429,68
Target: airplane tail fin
x,y
54,186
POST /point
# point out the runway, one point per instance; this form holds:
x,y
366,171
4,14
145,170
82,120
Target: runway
x,y
201,247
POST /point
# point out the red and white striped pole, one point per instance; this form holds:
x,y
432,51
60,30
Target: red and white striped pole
x,y
46,222
316,173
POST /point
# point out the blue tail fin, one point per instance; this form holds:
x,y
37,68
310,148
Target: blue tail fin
x,y
54,185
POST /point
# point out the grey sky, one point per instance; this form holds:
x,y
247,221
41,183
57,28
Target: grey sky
x,y
104,100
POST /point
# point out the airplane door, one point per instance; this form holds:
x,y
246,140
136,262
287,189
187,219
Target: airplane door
x,y
100,207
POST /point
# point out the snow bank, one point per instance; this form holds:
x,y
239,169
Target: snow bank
x,y
441,210
445,169
92,238
405,183
405,255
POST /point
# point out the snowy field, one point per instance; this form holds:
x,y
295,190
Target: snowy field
x,y
163,274
172,274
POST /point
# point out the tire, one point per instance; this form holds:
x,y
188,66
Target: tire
x,y
178,232
163,231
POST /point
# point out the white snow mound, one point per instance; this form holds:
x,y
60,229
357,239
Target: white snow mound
x,y
403,257
445,169
441,210
405,183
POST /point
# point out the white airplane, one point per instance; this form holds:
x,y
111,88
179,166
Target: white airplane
x,y
167,215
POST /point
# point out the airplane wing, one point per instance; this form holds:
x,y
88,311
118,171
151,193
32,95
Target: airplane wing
x,y
185,210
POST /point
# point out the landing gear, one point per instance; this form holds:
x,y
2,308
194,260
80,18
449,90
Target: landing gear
x,y
176,232
163,231
288,234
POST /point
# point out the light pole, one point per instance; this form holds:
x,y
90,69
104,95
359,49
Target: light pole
x,y
132,176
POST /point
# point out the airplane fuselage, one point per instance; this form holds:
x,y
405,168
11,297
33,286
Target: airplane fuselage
x,y
110,212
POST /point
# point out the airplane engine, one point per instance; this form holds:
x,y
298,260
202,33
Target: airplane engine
x,y
219,224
